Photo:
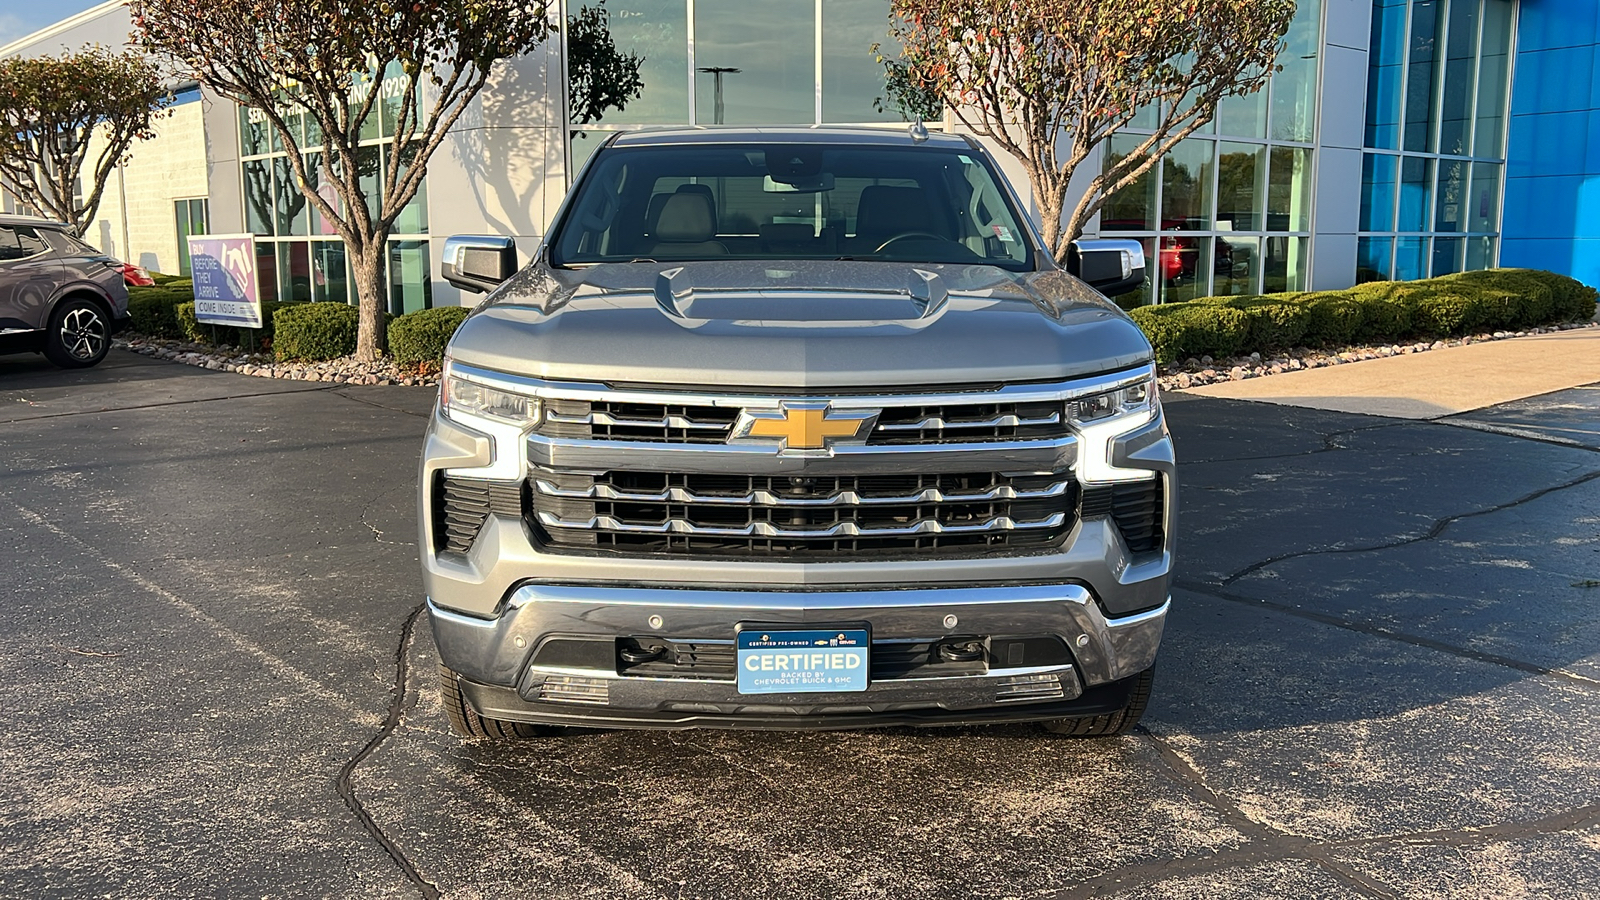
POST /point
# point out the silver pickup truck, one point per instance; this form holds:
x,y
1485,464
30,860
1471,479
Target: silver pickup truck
x,y
795,429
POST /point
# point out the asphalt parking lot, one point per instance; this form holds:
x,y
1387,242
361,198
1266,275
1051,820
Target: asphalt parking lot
x,y
1381,678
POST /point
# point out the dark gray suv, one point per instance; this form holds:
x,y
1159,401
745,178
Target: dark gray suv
x,y
58,295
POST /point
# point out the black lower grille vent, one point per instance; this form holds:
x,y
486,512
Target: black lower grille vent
x,y
462,505
1136,508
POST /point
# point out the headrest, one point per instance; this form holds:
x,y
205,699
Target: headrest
x,y
687,218
885,211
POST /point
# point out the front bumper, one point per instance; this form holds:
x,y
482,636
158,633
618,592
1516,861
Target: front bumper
x,y
503,676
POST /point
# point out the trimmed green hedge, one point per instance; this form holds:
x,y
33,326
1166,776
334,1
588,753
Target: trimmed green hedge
x,y
205,333
314,331
420,336
154,311
1376,312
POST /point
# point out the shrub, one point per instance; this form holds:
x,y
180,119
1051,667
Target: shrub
x,y
1374,312
205,333
154,312
189,324
1384,317
314,331
420,336
1332,318
1179,330
163,280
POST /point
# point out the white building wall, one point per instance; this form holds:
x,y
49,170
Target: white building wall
x,y
502,168
136,221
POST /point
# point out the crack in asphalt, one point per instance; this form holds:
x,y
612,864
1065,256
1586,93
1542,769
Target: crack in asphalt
x,y
1212,591
1269,844
377,533
363,400
169,403
391,721
1434,531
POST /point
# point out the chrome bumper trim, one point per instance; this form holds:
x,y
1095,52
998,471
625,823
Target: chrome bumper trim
x,y
496,651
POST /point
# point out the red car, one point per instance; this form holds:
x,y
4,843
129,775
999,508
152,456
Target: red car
x,y
136,276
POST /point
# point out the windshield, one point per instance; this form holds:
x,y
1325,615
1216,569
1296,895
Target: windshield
x,y
790,201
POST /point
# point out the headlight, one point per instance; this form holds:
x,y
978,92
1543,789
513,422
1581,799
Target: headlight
x,y
458,395
1131,400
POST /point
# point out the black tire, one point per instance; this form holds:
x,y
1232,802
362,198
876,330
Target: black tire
x,y
79,334
465,721
1119,722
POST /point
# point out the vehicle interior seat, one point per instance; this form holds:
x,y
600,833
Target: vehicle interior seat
x,y
687,227
652,216
885,211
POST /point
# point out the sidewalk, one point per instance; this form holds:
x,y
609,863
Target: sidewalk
x,y
1436,383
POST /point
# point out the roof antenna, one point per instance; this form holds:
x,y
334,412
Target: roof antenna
x,y
918,131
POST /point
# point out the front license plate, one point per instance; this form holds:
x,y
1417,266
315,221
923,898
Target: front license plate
x,y
793,662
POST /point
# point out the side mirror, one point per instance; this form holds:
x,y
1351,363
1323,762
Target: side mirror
x,y
477,262
1111,267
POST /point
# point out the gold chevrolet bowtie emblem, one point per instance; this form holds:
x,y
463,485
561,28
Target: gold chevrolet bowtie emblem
x,y
805,426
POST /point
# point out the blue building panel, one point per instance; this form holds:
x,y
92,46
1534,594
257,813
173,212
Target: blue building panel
x,y
1548,24
1552,193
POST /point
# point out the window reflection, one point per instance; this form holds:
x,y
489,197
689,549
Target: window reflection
x,y
1241,186
1461,49
1294,87
1289,190
755,61
1186,180
1416,193
1421,86
1372,259
1383,77
851,78
1377,192
658,31
1489,135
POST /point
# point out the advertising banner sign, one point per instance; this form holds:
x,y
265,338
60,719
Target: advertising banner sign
x,y
225,288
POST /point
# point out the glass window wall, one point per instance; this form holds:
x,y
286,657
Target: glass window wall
x,y
300,256
1228,211
1434,206
748,62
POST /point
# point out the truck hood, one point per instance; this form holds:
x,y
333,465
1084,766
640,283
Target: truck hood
x,y
798,325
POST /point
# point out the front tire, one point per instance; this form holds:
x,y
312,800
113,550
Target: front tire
x,y
1119,722
466,722
79,334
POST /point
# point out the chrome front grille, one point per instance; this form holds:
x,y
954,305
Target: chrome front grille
x,y
664,423
732,515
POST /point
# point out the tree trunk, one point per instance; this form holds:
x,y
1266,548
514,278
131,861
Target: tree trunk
x,y
372,338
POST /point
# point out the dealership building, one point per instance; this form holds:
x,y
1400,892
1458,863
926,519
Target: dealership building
x,y
1401,139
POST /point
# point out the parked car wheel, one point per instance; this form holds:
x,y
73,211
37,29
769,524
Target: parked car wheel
x,y
1119,722
79,335
465,721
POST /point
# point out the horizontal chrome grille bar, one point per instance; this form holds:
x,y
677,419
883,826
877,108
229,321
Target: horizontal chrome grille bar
x,y
1001,524
888,399
667,421
769,498
940,423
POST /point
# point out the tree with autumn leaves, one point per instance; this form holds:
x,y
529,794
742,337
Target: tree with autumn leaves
x,y
331,62
55,111
1050,80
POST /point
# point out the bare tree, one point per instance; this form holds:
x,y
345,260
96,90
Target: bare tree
x,y
50,109
341,64
1050,80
